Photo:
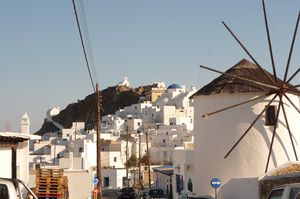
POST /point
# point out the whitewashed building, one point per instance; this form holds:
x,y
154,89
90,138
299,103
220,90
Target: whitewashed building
x,y
14,152
113,178
217,133
184,169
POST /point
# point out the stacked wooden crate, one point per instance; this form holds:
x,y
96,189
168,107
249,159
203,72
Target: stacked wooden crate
x,y
51,183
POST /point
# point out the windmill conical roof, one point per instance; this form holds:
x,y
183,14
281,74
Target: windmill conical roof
x,y
229,84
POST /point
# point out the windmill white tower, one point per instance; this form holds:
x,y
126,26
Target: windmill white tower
x,y
245,141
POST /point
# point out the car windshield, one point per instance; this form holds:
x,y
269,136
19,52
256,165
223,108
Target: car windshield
x,y
156,192
276,194
294,192
127,190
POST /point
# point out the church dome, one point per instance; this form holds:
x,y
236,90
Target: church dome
x,y
174,86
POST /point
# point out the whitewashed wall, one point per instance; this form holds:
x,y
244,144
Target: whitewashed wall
x,y
5,169
215,135
115,177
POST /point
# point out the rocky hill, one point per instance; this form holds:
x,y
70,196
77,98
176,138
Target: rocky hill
x,y
113,98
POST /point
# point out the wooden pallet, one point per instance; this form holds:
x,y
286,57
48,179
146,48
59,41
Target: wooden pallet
x,y
50,180
51,183
49,173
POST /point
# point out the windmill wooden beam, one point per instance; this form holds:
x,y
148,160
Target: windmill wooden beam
x,y
277,87
291,49
273,135
251,125
269,41
248,53
206,115
289,130
242,78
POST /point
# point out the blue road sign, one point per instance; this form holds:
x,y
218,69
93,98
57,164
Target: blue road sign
x,y
95,181
215,183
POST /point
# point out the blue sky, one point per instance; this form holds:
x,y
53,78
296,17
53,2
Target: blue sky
x,y
42,63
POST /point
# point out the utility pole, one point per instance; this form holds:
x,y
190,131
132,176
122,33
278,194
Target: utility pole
x,y
99,176
140,180
127,181
148,158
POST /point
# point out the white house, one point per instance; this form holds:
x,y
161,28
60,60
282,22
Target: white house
x,y
175,106
216,134
14,152
113,178
111,127
164,176
184,168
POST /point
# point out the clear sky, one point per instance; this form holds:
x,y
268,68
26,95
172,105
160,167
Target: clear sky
x,y
42,63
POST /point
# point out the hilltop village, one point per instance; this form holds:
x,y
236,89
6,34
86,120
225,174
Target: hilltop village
x,y
174,139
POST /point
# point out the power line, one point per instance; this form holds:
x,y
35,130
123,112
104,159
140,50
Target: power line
x,y
83,46
86,38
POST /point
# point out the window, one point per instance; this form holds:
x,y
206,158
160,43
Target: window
x,y
270,116
179,183
3,191
115,159
116,133
139,124
294,192
276,194
80,149
190,185
165,155
106,181
135,108
164,141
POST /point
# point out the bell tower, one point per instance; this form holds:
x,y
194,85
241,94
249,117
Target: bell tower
x,y
25,124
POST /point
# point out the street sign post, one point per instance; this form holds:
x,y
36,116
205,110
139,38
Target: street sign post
x,y
95,191
215,183
95,181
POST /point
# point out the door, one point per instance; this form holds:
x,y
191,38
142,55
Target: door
x,y
106,182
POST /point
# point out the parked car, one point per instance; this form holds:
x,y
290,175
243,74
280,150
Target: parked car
x,y
191,195
143,194
287,191
197,197
156,193
14,189
200,197
127,193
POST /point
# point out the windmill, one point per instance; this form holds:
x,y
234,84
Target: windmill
x,y
277,89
